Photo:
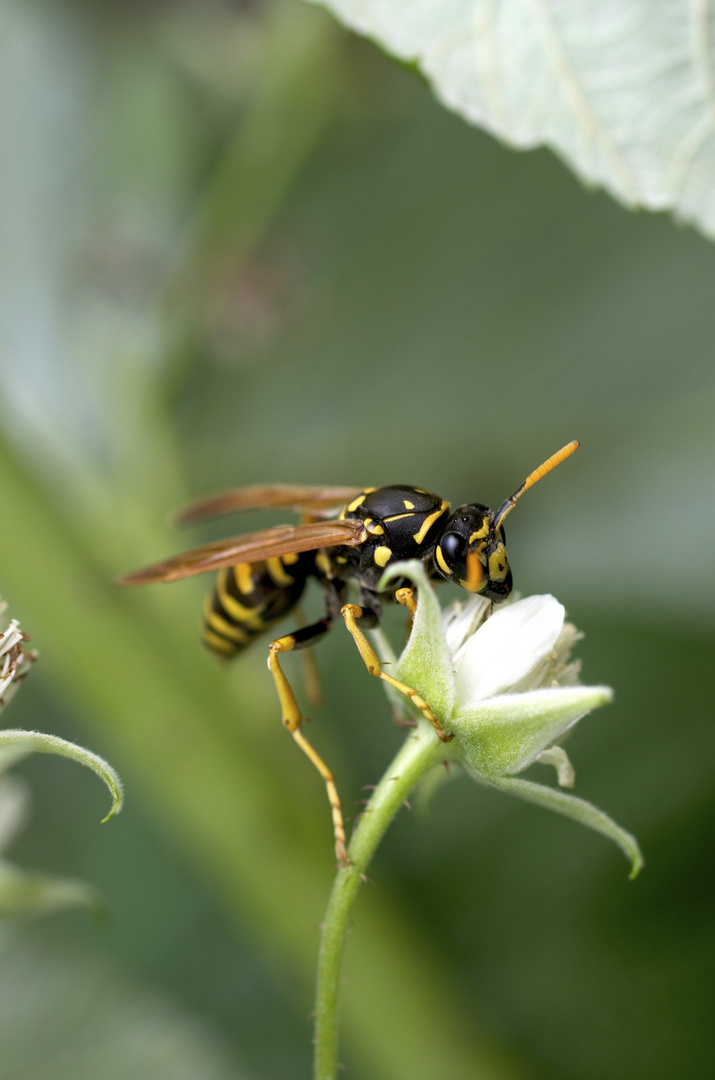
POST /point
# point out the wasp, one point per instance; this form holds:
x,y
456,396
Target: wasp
x,y
262,575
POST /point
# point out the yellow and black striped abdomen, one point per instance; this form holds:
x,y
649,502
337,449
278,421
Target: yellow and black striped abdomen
x,y
249,598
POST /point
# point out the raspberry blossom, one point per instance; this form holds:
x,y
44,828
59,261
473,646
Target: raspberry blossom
x,y
503,683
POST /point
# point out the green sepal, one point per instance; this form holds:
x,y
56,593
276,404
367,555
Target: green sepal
x,y
573,807
16,743
425,663
503,735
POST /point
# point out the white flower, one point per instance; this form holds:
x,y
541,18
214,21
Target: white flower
x,y
515,692
504,685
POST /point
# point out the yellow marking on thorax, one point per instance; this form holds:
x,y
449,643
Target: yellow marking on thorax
x,y
382,555
342,559
398,517
372,528
278,572
408,505
244,577
352,507
441,561
290,558
323,563
428,522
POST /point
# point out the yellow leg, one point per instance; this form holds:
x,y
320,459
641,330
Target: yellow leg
x,y
407,598
292,719
351,613
311,678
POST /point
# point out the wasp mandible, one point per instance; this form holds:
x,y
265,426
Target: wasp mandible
x,y
262,575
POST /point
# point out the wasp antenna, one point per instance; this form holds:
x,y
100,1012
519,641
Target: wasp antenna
x,y
543,469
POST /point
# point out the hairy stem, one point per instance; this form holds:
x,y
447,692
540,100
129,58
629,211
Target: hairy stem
x,y
421,750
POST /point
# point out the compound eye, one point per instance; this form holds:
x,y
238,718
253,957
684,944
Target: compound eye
x,y
454,548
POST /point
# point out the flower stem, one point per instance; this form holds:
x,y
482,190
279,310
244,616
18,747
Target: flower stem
x,y
420,751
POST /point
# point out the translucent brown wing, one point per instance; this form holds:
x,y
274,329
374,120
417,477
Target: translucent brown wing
x,y
264,496
250,547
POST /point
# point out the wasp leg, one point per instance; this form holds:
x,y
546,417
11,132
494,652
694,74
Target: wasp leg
x,y
352,613
292,720
407,598
311,677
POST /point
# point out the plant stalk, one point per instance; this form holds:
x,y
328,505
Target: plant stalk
x,y
420,751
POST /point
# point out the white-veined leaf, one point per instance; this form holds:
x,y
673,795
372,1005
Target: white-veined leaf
x,y
623,90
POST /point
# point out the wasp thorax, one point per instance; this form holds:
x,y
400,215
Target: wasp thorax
x,y
472,552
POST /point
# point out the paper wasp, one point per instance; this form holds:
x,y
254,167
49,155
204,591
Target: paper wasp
x,y
262,575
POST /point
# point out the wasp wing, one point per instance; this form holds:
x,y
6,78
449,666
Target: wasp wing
x,y
265,496
250,547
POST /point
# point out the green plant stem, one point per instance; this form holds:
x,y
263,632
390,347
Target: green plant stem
x,y
421,750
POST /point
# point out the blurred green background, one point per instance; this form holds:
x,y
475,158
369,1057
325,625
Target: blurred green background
x,y
240,245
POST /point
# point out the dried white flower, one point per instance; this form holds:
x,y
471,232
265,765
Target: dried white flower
x,y
14,661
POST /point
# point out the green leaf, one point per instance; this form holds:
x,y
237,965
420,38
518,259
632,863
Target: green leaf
x,y
620,89
23,892
14,741
578,809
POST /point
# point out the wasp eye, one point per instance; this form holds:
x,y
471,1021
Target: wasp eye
x,y
454,547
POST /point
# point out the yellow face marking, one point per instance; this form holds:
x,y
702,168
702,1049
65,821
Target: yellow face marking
x,y
357,502
382,555
428,522
441,561
498,566
479,534
244,578
408,505
278,572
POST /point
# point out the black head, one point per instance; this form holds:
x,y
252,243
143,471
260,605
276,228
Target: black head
x,y
472,552
471,549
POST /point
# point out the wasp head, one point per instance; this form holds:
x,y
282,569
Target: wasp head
x,y
472,552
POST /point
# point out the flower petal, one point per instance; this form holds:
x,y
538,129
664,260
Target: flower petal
x,y
579,810
507,648
505,734
425,664
557,756
461,619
